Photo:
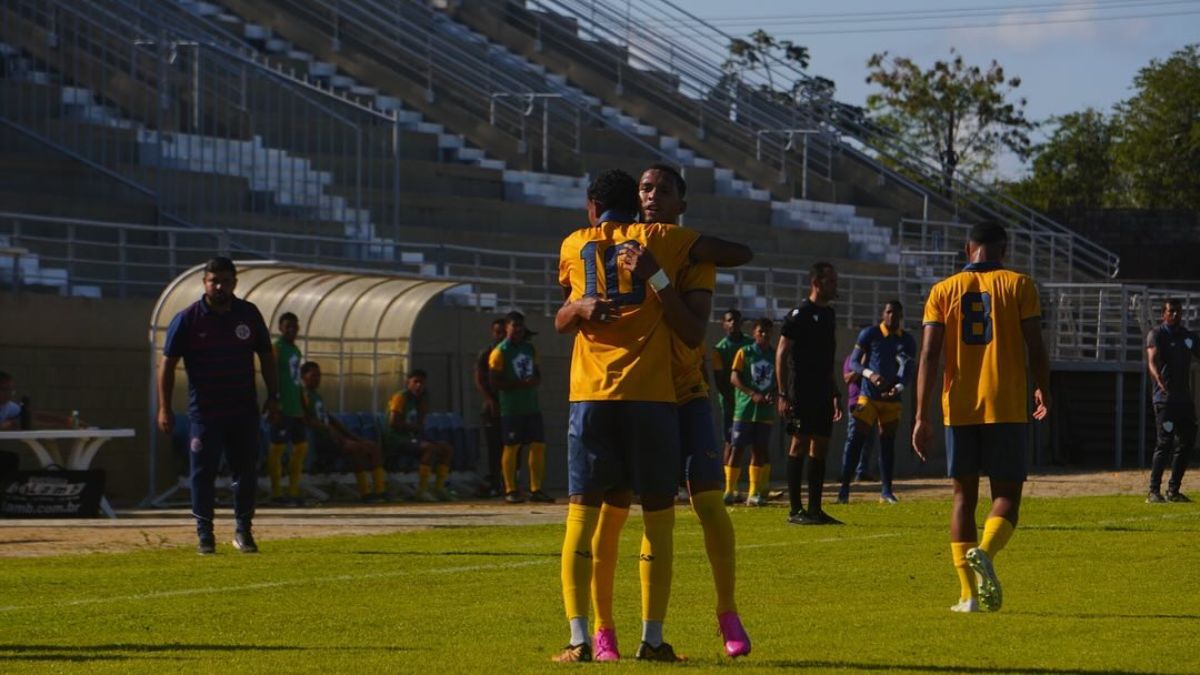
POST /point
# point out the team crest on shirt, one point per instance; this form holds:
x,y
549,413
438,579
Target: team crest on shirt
x,y
242,331
197,445
762,373
1188,342
523,366
1168,426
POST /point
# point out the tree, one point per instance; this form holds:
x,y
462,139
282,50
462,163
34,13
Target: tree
x,y
962,113
760,51
1158,153
1074,167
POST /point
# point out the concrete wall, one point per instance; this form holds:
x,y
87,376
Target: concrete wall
x,y
92,356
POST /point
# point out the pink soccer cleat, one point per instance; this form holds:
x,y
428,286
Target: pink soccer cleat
x,y
605,645
737,642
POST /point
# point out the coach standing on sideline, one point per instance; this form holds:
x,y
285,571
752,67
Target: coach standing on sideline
x,y
217,337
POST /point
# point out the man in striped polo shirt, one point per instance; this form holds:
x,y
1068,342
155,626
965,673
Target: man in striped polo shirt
x,y
217,337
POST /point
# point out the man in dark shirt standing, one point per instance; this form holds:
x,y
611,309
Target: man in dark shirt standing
x,y
490,413
217,337
805,356
1169,351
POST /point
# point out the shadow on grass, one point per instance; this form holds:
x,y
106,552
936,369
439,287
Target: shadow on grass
x,y
501,554
923,668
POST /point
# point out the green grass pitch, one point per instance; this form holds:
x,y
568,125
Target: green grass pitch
x,y
1092,585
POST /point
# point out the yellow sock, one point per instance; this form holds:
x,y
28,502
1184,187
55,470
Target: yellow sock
x,y
423,472
508,467
996,532
537,466
275,468
658,552
966,577
380,479
604,562
719,543
577,558
764,479
754,473
364,486
443,470
296,467
732,474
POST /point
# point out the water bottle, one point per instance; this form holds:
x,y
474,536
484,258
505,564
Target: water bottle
x,y
74,419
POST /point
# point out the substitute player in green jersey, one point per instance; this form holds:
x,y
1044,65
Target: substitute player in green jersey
x,y
515,374
753,375
722,361
290,427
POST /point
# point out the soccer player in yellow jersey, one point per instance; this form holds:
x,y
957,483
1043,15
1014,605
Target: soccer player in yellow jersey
x,y
623,435
986,320
661,191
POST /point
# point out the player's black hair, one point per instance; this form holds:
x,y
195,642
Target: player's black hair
x,y
220,264
764,323
288,316
818,270
514,316
614,190
895,305
680,183
737,314
988,232
417,372
308,366
499,321
1169,302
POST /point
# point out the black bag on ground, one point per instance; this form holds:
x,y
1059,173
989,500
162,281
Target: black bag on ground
x,y
51,493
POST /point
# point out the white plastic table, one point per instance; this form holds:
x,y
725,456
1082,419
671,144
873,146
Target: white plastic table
x,y
86,443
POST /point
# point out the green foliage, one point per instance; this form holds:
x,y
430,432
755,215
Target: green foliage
x,y
1074,167
960,113
763,52
1158,155
1092,585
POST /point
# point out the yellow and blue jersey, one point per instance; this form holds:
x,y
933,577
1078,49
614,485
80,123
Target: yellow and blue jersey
x,y
981,309
687,363
628,359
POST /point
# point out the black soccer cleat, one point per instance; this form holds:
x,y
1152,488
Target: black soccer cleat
x,y
244,542
664,652
1155,497
207,544
795,517
541,497
1177,496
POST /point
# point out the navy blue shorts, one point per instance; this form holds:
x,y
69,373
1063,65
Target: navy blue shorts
x,y
289,429
998,450
746,434
522,429
623,445
698,442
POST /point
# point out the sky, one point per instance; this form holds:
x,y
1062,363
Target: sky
x,y
1069,54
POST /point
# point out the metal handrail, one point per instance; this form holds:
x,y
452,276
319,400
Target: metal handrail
x,y
695,64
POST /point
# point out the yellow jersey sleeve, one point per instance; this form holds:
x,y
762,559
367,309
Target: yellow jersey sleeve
x,y
935,308
739,361
496,360
396,402
671,246
718,363
1028,298
697,277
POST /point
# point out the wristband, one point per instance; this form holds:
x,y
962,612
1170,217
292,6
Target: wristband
x,y
659,280
899,388
867,373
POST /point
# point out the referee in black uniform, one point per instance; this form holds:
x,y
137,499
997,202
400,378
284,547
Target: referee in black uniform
x,y
809,399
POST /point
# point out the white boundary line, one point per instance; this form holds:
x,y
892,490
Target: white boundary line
x,y
183,592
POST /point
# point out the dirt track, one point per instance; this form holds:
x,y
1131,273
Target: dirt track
x,y
158,528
